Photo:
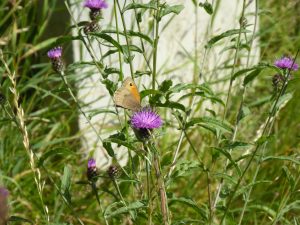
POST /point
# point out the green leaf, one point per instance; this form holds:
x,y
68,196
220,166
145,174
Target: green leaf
x,y
131,33
111,211
141,73
212,123
147,92
108,39
110,70
171,104
282,101
228,156
37,47
166,9
228,33
109,149
207,7
238,145
20,219
250,77
110,86
244,111
263,139
191,203
284,158
54,152
120,142
289,176
185,168
100,111
66,183
165,85
150,5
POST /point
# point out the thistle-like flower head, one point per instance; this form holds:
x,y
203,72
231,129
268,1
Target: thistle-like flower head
x,y
286,63
146,118
95,4
55,53
91,163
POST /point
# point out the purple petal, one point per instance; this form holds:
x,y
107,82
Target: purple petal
x,y
146,119
286,63
55,53
95,4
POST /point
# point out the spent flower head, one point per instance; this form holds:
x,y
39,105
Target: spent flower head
x,y
146,118
95,4
286,63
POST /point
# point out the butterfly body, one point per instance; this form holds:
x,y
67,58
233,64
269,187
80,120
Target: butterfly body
x,y
128,96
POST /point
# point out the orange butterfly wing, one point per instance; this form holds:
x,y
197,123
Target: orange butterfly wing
x,y
128,96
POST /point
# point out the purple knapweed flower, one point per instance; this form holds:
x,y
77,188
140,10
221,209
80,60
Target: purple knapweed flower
x,y
95,4
91,163
146,118
92,172
55,53
286,63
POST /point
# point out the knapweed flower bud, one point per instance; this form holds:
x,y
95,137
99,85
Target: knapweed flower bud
x,y
277,81
95,6
91,27
92,172
55,56
113,172
243,22
144,121
3,205
286,63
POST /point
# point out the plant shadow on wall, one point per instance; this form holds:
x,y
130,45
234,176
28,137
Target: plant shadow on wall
x,y
196,155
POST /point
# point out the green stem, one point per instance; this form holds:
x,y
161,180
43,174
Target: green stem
x,y
62,75
95,191
148,172
118,38
234,62
127,39
156,37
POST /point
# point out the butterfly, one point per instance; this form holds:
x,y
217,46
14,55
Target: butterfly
x,y
128,96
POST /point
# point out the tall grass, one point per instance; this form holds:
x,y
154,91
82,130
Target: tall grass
x,y
233,160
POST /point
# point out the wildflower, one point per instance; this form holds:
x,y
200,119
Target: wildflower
x,y
113,172
286,63
95,6
54,55
146,119
3,205
92,170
